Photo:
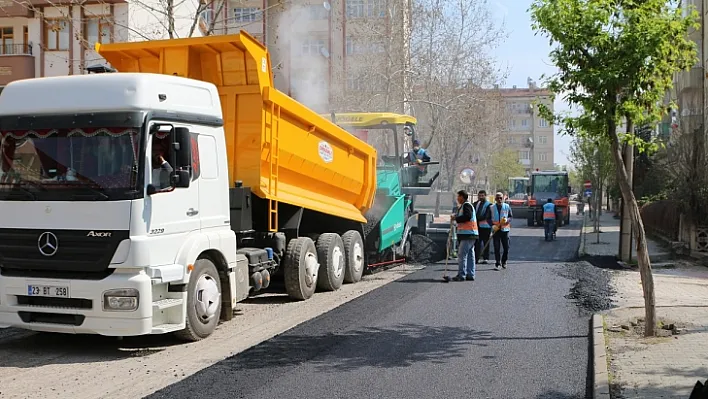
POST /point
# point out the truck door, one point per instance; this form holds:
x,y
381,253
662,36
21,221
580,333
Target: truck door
x,y
169,211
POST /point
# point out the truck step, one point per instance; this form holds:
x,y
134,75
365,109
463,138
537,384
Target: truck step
x,y
163,304
166,328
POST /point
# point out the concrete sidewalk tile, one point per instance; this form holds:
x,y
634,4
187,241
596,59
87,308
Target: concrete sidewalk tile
x,y
660,367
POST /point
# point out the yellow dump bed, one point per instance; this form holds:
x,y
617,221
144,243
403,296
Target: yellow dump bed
x,y
281,149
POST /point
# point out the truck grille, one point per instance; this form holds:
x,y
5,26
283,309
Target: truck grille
x,y
76,253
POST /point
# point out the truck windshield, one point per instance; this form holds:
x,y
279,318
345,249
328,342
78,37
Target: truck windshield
x,y
69,164
557,184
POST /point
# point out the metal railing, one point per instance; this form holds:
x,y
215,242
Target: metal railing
x,y
16,49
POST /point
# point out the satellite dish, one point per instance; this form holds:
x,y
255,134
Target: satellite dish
x,y
324,52
467,175
326,5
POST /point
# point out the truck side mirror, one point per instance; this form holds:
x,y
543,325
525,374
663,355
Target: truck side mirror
x,y
181,178
570,190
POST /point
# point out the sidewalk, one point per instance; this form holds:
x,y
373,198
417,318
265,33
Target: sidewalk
x,y
609,240
666,366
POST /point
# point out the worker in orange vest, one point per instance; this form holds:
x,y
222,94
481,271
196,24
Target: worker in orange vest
x,y
467,234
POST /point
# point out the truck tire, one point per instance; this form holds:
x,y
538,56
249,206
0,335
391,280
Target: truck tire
x,y
567,218
354,254
203,301
330,253
301,268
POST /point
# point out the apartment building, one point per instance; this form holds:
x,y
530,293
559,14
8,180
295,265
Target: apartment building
x,y
527,132
55,38
326,54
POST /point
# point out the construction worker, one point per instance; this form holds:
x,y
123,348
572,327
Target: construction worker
x,y
549,219
484,222
501,222
467,234
418,155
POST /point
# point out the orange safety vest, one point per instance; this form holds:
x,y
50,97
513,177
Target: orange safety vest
x,y
469,227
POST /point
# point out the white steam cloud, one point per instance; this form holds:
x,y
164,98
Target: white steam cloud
x,y
308,62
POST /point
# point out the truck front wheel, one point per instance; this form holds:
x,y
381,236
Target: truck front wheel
x,y
300,268
354,254
330,253
203,301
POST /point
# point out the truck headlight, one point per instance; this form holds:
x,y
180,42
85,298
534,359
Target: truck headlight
x,y
123,299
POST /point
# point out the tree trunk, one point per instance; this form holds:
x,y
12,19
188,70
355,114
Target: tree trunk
x,y
631,207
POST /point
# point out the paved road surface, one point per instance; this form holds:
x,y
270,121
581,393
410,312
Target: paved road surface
x,y
510,334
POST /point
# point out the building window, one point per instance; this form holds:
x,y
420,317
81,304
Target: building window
x,y
354,84
247,14
8,41
524,123
312,47
542,139
98,30
542,123
350,46
318,12
56,35
523,155
376,9
355,8
542,156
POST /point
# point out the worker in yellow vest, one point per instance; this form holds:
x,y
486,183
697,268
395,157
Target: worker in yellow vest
x,y
467,234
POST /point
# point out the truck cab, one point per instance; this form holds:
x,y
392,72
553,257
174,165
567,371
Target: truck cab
x,y
105,196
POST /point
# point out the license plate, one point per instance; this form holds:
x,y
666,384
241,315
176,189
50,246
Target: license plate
x,y
48,290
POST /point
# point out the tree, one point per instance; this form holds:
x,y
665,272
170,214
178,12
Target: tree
x,y
505,164
593,158
616,60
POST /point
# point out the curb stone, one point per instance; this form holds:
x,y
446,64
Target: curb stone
x,y
601,382
581,247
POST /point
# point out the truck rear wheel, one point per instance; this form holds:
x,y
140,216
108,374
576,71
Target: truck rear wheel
x,y
301,268
330,253
203,301
354,254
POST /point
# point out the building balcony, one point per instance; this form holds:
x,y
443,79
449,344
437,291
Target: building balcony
x,y
525,162
16,62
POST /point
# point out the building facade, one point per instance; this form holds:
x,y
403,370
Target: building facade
x,y
527,132
56,38
331,56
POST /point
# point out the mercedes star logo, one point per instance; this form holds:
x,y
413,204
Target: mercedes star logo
x,y
48,244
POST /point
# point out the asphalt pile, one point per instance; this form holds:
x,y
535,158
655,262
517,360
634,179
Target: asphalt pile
x,y
592,289
424,251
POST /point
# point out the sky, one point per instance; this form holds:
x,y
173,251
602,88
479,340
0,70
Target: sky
x,y
524,55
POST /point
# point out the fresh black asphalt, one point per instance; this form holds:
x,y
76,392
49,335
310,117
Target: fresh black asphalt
x,y
510,334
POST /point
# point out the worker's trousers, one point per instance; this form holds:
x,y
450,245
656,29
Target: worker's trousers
x,y
501,240
482,244
465,257
549,227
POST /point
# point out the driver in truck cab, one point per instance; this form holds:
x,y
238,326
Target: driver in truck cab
x,y
161,169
